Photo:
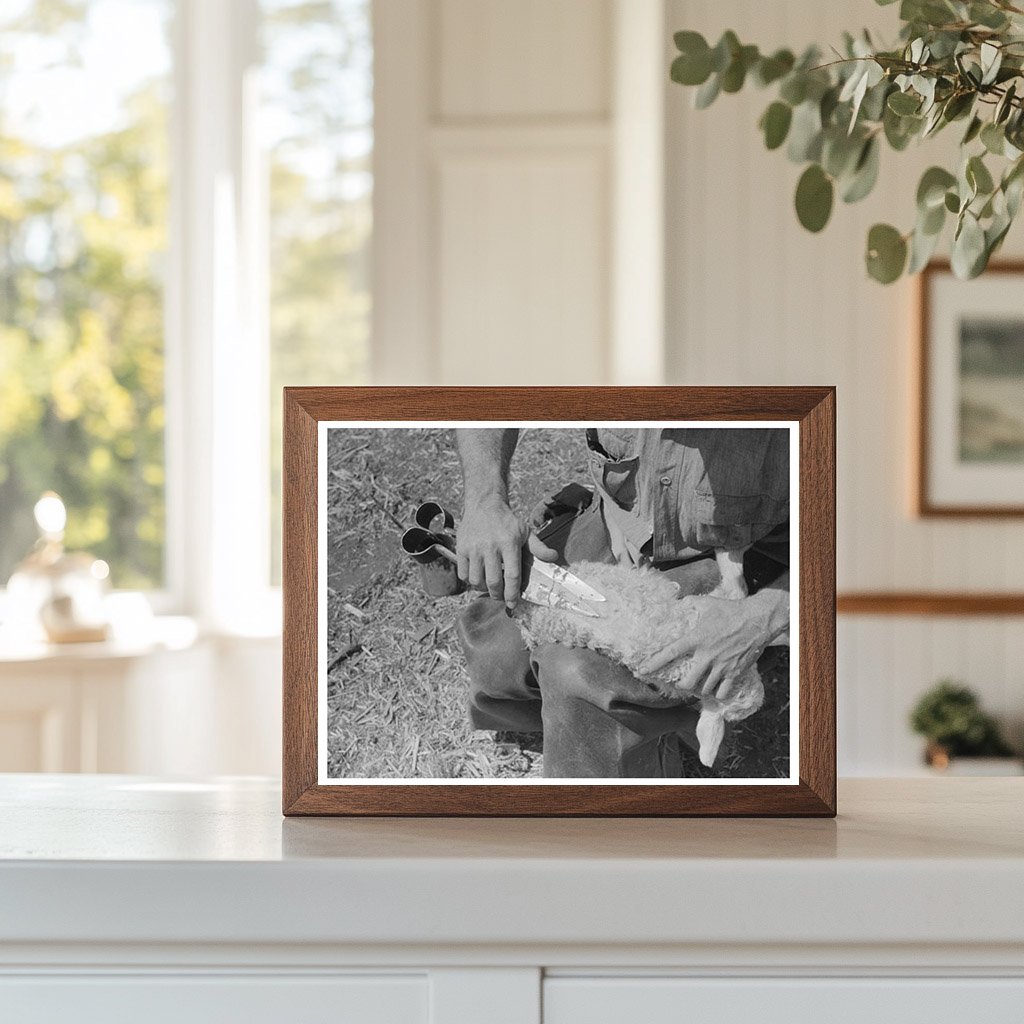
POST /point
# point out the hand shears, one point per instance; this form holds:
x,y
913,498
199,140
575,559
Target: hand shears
x,y
547,585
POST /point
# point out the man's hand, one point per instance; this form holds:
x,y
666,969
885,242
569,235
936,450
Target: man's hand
x,y
489,545
490,539
727,640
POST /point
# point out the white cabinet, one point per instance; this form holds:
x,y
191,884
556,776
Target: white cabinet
x,y
203,999
126,899
829,1000
100,707
174,704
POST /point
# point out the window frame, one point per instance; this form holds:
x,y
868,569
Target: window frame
x,y
217,346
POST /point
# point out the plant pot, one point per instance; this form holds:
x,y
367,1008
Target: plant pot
x,y
942,762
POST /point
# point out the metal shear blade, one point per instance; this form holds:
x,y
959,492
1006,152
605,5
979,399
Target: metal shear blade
x,y
558,588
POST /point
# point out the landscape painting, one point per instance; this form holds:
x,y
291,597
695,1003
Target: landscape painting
x,y
991,389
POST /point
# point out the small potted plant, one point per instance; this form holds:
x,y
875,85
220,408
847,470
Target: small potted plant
x,y
950,717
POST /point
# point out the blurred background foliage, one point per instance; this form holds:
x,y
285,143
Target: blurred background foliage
x,y
83,249
83,231
317,93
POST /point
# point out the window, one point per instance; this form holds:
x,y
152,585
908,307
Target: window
x,y
167,264
83,235
317,116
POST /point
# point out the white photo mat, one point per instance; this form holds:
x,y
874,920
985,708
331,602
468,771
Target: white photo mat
x,y
323,428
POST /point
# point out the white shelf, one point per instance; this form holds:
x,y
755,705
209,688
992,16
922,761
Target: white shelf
x,y
120,859
128,896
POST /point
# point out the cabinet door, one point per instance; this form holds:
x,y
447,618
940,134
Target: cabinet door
x,y
41,721
626,1000
205,999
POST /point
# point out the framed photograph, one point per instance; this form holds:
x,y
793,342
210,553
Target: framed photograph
x,y
559,601
970,445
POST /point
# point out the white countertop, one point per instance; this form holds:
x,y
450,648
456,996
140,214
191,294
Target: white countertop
x,y
122,859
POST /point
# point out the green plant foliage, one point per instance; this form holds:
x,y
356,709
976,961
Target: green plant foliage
x,y
775,124
950,716
814,194
887,253
955,60
82,234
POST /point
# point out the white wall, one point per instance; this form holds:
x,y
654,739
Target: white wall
x,y
505,131
520,214
754,299
508,252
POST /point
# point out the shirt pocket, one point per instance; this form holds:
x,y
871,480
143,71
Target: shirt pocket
x,y
615,465
733,520
617,478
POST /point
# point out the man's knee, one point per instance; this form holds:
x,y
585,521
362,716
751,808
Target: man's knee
x,y
578,673
496,657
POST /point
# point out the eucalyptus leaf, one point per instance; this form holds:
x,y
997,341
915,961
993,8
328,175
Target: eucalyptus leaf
x,y
900,130
925,88
886,253
930,12
794,88
943,44
903,103
735,74
934,121
771,69
932,220
693,65
991,61
840,152
873,106
968,248
865,173
931,190
987,15
828,105
993,138
1014,192
922,247
1013,187
814,197
1005,105
775,124
973,130
958,105
724,51
978,176
995,234
805,133
707,93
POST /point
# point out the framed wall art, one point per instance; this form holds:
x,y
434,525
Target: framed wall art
x,y
970,423
559,601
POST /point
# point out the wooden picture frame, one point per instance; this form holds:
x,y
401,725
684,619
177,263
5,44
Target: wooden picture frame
x,y
931,375
809,413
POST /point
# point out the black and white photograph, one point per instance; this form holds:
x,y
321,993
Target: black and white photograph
x,y
587,602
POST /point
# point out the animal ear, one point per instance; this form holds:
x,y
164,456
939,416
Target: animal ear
x,y
710,733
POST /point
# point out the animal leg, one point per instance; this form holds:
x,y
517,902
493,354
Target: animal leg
x,y
730,565
710,733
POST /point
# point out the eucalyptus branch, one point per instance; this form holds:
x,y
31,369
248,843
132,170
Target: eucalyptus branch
x,y
954,58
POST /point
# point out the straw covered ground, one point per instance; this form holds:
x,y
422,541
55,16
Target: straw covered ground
x,y
396,686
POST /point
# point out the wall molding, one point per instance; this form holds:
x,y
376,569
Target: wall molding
x,y
928,603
